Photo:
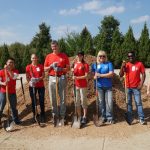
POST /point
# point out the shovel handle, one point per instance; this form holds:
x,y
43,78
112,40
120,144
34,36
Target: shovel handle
x,y
7,97
23,91
56,89
125,85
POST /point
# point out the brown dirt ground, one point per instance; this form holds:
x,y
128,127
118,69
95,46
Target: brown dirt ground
x,y
119,130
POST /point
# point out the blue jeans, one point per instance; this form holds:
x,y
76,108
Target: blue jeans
x,y
105,102
12,102
62,83
41,93
137,97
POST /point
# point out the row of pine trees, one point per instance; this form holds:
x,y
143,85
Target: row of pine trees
x,y
109,39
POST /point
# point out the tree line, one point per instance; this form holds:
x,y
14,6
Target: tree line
x,y
109,39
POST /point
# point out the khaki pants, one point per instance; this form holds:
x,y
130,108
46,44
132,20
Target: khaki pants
x,y
81,97
62,82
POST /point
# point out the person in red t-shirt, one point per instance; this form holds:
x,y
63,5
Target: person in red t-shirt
x,y
35,75
134,72
12,75
80,71
57,64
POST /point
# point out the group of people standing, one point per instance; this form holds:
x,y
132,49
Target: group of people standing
x,y
57,65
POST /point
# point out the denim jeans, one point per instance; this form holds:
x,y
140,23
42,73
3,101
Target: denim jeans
x,y
105,102
137,97
62,83
41,94
12,102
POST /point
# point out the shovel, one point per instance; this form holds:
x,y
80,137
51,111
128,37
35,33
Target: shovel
x,y
23,93
8,124
57,123
126,96
36,116
96,116
76,123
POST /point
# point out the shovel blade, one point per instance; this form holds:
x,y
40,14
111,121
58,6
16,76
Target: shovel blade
x,y
76,122
8,125
37,119
61,122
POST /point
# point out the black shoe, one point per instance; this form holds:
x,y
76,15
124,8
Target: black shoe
x,y
127,119
83,120
55,120
104,120
42,119
17,121
33,120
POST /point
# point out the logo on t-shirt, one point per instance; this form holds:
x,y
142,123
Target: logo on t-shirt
x,y
134,68
38,69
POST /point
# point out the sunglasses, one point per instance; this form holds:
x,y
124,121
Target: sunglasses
x,y
102,56
129,56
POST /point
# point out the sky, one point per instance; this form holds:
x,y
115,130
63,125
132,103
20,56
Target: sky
x,y
20,19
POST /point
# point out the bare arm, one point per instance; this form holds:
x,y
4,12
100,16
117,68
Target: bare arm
x,y
142,80
107,75
122,69
81,77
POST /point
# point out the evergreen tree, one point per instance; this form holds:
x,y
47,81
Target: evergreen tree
x,y
144,45
26,59
87,42
73,42
5,55
18,60
117,40
41,42
104,38
129,43
100,42
63,46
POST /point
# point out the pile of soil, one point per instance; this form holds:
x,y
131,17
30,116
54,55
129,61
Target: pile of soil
x,y
118,95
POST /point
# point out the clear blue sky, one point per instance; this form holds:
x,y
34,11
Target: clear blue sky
x,y
19,19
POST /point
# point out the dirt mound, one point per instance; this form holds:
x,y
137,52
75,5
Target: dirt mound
x,y
118,95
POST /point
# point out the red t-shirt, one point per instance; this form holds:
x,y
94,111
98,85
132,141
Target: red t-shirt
x,y
79,70
11,81
62,60
37,73
133,72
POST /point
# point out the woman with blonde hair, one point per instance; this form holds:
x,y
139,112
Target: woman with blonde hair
x,y
103,74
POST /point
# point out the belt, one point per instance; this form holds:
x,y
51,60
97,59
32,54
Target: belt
x,y
57,75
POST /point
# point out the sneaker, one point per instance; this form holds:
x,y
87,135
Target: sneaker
x,y
142,122
111,121
84,120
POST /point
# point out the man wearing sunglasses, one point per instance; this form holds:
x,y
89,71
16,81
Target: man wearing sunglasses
x,y
134,72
